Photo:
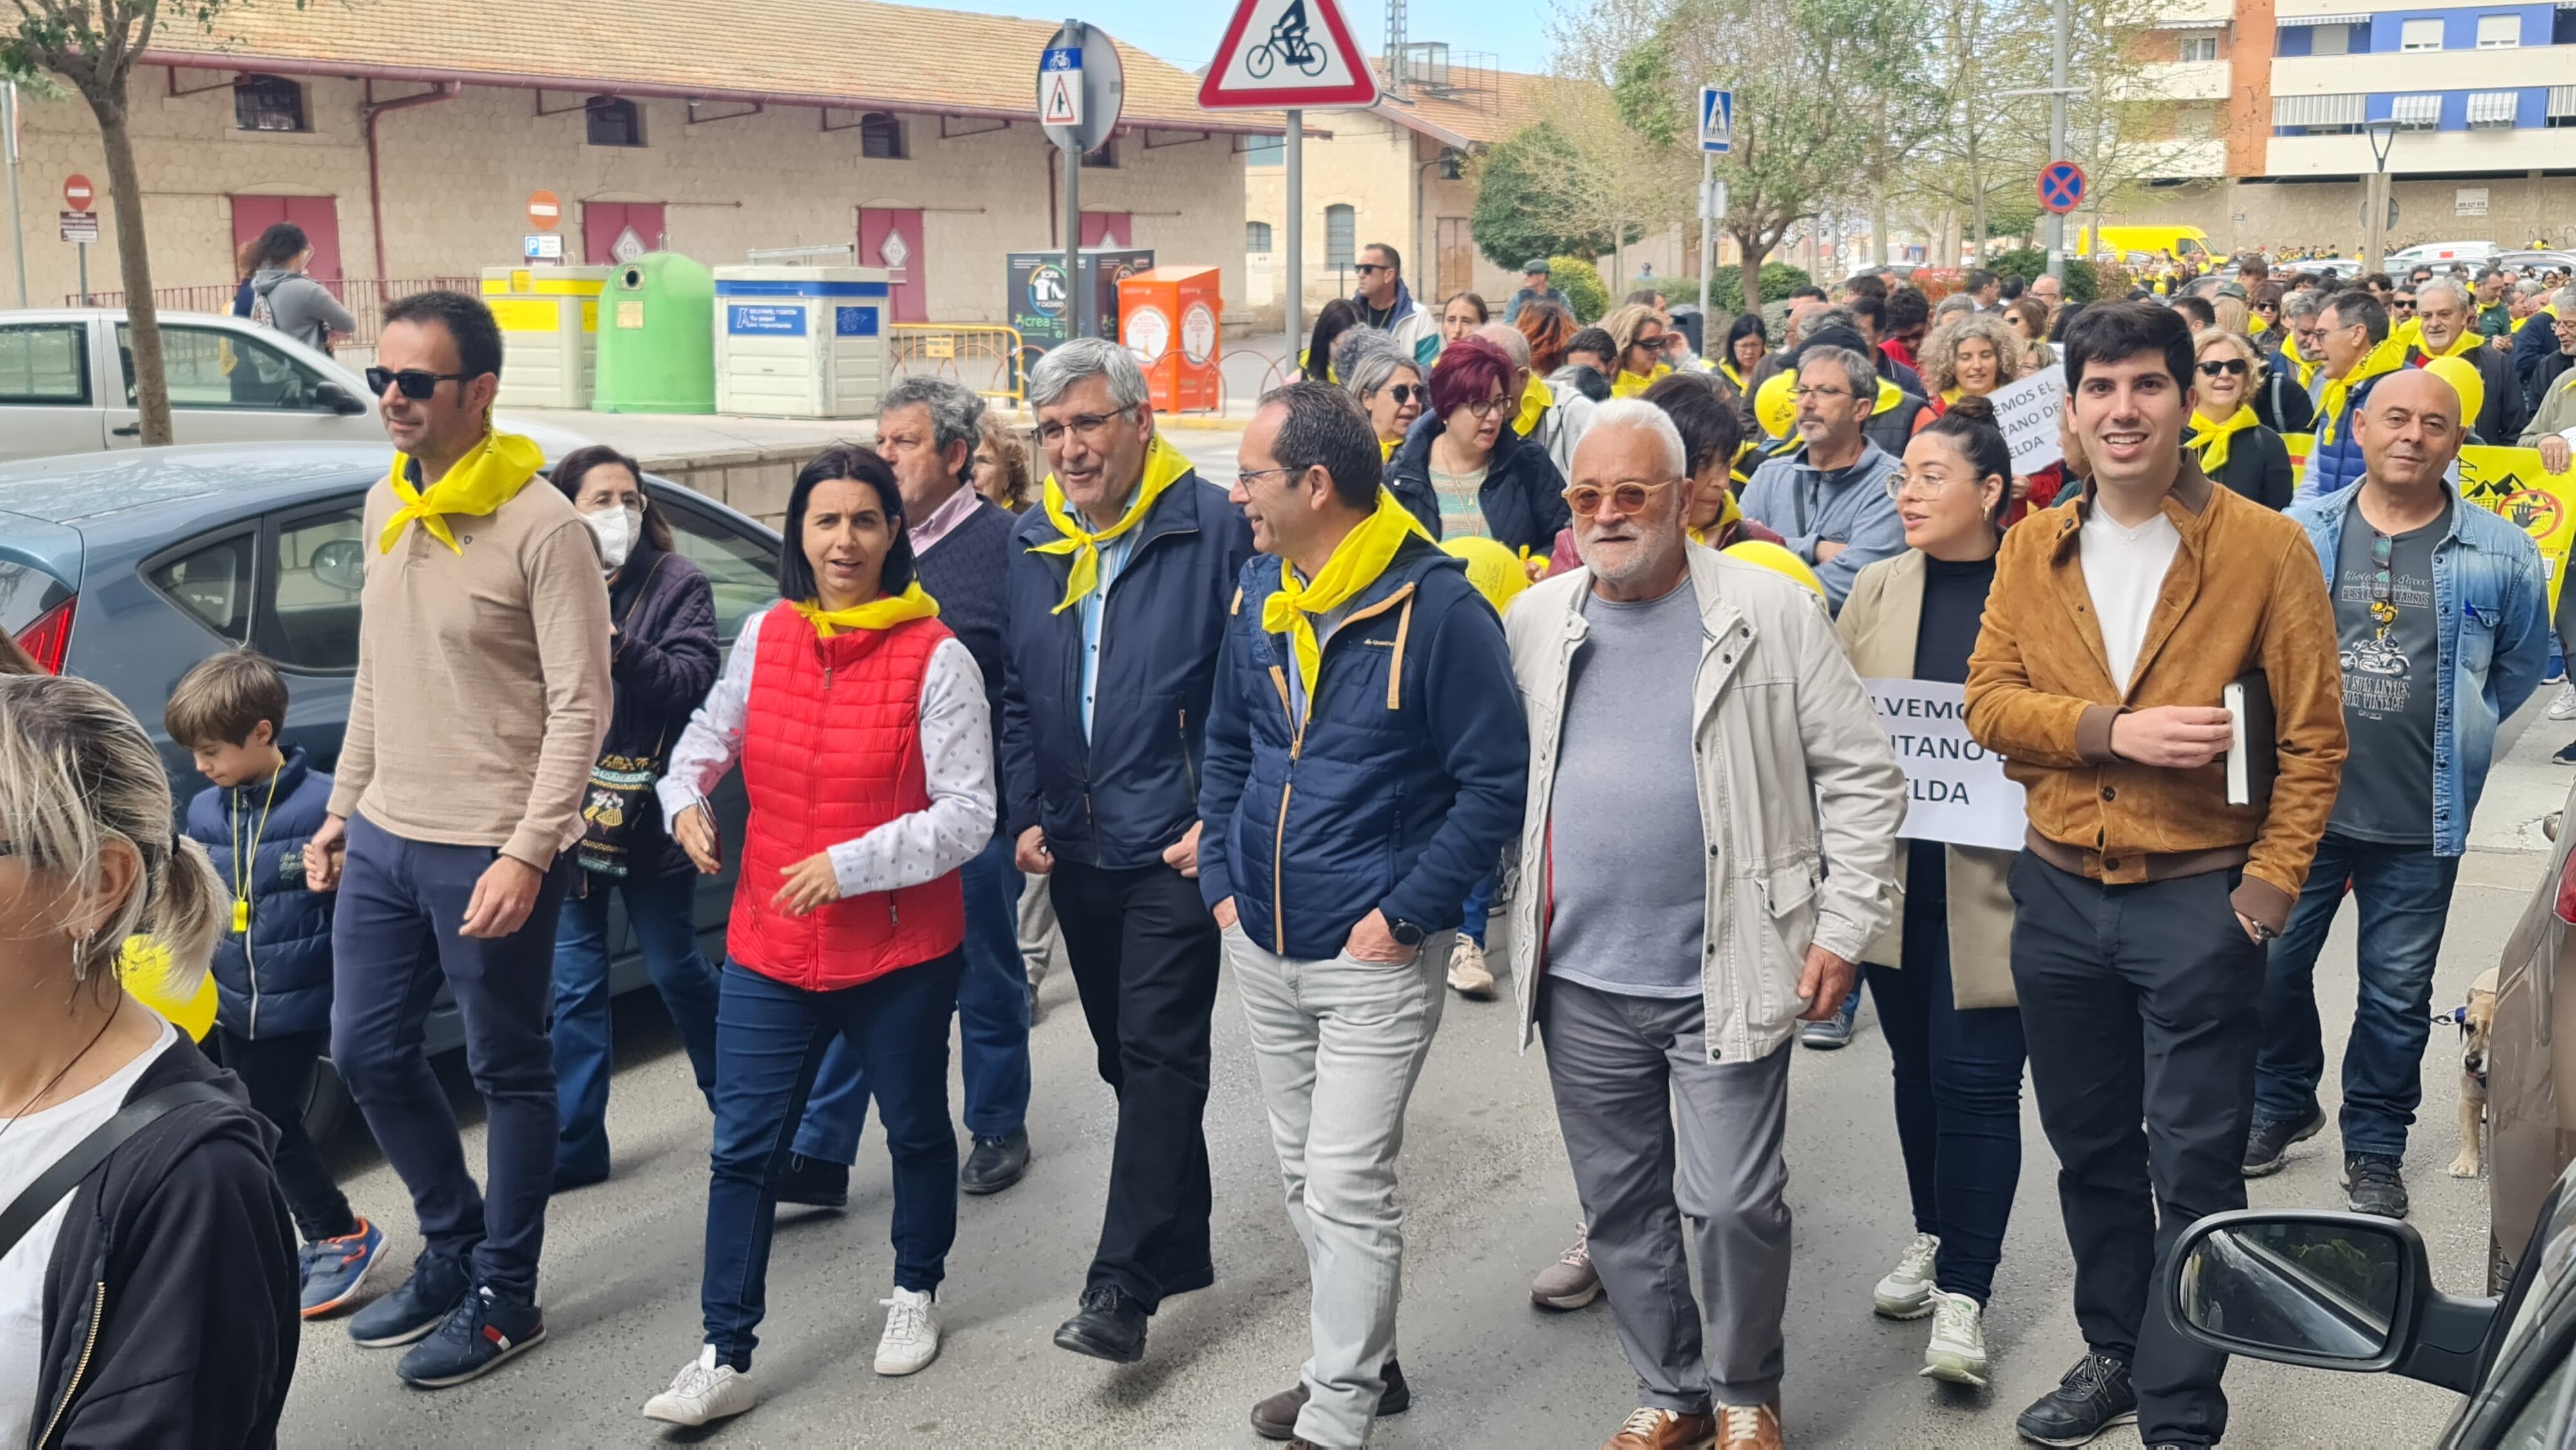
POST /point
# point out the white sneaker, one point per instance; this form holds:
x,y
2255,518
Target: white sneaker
x,y
2564,707
703,1390
1906,1292
911,1338
1957,1352
1468,974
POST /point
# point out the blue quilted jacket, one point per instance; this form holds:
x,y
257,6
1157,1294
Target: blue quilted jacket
x,y
276,978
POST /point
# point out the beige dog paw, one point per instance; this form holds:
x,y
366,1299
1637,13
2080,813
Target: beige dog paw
x,y
2464,1166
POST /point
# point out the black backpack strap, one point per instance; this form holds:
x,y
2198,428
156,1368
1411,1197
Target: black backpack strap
x,y
30,1207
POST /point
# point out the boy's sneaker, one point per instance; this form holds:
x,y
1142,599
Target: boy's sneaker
x,y
2267,1144
2564,707
1957,1352
333,1269
1469,977
2094,1396
1571,1282
2375,1184
416,1306
485,1331
911,1339
703,1390
1834,1031
1906,1292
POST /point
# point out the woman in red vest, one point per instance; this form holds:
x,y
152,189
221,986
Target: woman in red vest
x,y
861,728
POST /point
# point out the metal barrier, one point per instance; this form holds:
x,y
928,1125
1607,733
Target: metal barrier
x,y
365,297
994,361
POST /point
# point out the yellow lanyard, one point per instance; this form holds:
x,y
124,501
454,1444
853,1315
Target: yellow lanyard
x,y
244,871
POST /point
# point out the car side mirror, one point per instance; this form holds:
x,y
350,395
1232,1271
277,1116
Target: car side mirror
x,y
341,564
338,399
2327,1290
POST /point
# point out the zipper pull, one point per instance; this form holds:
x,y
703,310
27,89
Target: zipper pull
x,y
827,677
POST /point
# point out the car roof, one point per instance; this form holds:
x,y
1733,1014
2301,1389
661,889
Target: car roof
x,y
75,314
83,488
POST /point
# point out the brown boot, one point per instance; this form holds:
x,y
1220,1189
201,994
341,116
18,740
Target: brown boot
x,y
1749,1427
1656,1429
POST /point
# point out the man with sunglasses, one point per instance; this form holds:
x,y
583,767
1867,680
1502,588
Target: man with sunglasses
x,y
2443,613
1708,846
1386,304
1827,496
481,697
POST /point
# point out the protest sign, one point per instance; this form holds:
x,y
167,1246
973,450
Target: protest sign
x,y
2027,409
1955,788
2512,483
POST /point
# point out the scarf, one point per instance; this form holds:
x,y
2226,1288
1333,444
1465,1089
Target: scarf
x,y
1732,376
1729,514
2386,358
1536,399
883,612
2211,438
489,475
1357,561
1386,448
2467,342
1629,385
1164,466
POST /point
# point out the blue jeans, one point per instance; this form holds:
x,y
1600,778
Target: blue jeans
x,y
660,911
992,1019
2405,894
1480,905
770,1040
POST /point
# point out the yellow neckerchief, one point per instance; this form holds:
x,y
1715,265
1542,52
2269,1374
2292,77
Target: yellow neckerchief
x,y
2255,326
1629,385
1889,395
1949,396
2405,334
1386,448
245,876
489,475
1731,375
2386,358
1728,513
2467,342
2549,312
1536,399
2211,438
1164,466
883,612
2307,369
1357,561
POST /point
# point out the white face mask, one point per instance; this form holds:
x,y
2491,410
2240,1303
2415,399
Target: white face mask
x,y
616,530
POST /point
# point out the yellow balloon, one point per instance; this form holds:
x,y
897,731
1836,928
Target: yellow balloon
x,y
143,965
1778,560
2463,377
1494,570
1773,407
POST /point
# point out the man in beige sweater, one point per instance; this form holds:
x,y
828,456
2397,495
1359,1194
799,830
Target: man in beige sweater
x,y
481,696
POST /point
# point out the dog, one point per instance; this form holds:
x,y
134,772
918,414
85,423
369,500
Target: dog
x,y
2476,1021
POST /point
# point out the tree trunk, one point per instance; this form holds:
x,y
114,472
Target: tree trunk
x,y
1747,244
134,263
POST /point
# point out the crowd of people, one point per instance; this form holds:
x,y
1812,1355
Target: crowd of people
x,y
1567,630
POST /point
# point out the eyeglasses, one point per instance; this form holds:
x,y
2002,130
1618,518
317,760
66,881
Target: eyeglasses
x,y
2224,367
417,384
1802,394
1245,477
1087,426
1486,407
1931,485
1624,498
1404,393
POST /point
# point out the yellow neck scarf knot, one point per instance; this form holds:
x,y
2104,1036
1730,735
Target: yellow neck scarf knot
x,y
883,612
1629,385
2211,438
1164,466
2386,358
1357,561
1536,399
489,475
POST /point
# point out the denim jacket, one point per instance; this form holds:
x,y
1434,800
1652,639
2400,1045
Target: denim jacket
x,y
2491,606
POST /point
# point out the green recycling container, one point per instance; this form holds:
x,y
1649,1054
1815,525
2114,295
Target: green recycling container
x,y
657,351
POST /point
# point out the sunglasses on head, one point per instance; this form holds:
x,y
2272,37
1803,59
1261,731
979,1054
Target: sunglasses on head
x,y
2223,367
417,384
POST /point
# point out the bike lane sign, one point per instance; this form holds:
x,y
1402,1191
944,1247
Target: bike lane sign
x,y
1282,54
1060,87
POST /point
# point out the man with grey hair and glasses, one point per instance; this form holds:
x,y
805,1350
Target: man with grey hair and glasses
x,y
1827,497
2446,326
1708,845
1117,593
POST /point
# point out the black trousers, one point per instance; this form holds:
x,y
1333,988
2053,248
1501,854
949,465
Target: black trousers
x,y
1144,953
277,1072
2142,1007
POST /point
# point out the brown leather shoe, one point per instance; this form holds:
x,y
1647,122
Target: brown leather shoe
x,y
1276,1417
1749,1427
1657,1429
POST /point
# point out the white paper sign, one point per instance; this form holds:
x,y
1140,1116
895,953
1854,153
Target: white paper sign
x,y
2028,410
1955,788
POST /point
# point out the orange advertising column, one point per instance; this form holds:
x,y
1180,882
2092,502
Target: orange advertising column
x,y
1168,317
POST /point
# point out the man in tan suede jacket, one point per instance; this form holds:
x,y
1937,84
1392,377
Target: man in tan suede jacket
x,y
2142,898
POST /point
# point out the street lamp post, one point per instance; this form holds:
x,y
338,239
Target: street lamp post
x,y
2374,221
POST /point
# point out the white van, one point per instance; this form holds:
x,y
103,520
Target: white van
x,y
2476,254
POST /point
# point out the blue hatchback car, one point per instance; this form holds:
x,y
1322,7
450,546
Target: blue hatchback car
x,y
128,568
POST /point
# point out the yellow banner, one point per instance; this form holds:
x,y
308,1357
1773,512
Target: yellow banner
x,y
2511,482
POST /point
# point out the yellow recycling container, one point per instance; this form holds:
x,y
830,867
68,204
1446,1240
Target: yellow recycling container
x,y
549,319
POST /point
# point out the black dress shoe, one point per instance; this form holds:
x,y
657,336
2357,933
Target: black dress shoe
x,y
2094,1396
1109,1327
996,1163
566,1181
815,1182
1276,1417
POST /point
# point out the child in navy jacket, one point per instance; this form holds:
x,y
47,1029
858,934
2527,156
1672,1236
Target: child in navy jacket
x,y
272,968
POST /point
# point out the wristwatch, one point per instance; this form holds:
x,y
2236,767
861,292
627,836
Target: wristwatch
x,y
1406,933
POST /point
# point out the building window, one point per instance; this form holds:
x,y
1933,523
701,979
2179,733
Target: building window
x,y
2195,123
1341,227
2336,115
2494,110
2499,32
1256,237
2200,45
1105,158
2416,113
2562,30
2419,35
1265,151
614,121
2562,103
880,137
268,103
2331,39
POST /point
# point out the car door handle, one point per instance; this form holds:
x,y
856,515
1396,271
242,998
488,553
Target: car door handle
x,y
130,430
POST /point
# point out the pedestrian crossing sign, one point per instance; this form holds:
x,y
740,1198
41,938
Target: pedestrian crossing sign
x,y
1716,120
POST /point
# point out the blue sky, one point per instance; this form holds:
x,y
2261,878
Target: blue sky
x,y
1185,32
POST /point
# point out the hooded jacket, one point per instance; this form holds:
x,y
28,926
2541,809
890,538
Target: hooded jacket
x,y
274,979
1414,330
1523,495
1401,787
170,1301
300,307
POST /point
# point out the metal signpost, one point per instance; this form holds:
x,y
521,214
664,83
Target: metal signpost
x,y
80,224
1716,138
9,148
1081,89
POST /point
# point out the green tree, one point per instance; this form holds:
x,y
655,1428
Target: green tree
x,y
1580,281
1539,195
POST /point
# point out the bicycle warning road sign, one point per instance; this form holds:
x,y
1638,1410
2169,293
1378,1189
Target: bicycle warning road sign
x,y
1282,53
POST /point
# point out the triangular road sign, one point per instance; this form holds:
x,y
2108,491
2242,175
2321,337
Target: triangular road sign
x,y
1282,53
1060,98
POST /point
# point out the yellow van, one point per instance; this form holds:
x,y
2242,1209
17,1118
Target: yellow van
x,y
2181,244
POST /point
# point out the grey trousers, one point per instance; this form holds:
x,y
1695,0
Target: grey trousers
x,y
1041,945
1633,1083
1339,1045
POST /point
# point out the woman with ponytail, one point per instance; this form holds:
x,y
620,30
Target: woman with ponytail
x,y
861,727
148,1282
1942,974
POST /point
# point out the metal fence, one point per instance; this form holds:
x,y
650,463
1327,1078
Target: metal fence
x,y
365,297
993,361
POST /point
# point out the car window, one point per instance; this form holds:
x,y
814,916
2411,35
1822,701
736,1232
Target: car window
x,y
319,568
2535,1426
212,582
45,364
210,367
743,569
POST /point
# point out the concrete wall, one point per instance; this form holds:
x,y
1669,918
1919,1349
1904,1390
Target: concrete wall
x,y
457,174
2328,213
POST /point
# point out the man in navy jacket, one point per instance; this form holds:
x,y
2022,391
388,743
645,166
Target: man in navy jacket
x,y
1117,584
1366,762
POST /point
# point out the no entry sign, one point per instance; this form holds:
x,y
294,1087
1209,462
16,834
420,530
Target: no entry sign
x,y
544,210
77,194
